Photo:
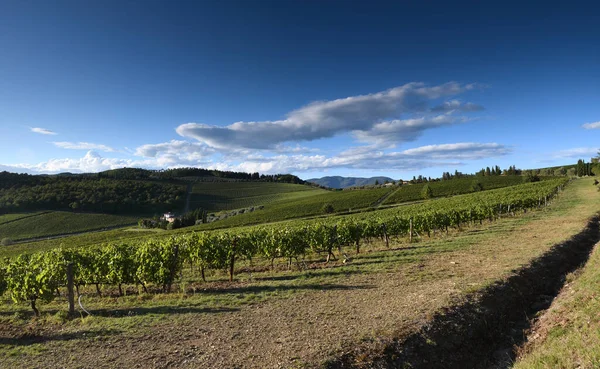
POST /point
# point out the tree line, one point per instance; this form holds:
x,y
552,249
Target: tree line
x,y
26,193
175,173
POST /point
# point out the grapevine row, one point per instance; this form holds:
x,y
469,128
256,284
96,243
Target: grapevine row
x,y
160,262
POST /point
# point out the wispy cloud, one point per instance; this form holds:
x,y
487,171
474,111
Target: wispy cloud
x,y
398,131
594,125
83,146
457,105
577,152
324,119
42,131
368,157
463,151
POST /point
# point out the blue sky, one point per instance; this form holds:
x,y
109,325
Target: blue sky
x,y
311,88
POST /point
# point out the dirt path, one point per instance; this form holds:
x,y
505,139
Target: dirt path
x,y
25,217
310,327
380,201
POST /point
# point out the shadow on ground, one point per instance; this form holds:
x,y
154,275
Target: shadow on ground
x,y
483,331
31,339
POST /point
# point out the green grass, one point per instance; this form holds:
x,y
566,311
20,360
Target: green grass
x,y
59,222
6,218
569,333
216,196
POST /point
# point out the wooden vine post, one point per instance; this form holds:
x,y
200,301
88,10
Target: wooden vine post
x,y
410,230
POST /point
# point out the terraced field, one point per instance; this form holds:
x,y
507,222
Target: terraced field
x,y
53,223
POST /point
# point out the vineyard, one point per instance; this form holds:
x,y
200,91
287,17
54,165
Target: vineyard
x,y
456,186
157,264
216,196
58,222
340,201
352,200
284,206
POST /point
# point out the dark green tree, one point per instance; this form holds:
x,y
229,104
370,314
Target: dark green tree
x,y
580,168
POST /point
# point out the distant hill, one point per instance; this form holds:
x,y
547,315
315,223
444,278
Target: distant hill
x,y
344,182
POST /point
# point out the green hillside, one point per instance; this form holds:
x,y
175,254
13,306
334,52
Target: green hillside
x,y
7,218
60,222
290,208
456,186
216,196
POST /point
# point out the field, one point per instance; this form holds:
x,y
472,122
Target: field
x,y
216,196
453,187
53,223
293,318
7,218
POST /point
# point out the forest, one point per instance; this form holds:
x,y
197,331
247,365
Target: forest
x,y
21,192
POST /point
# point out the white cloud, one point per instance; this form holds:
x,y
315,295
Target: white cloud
x,y
172,147
82,146
363,157
457,105
578,152
286,149
15,169
94,162
594,125
91,162
397,131
369,158
463,151
324,119
42,131
176,153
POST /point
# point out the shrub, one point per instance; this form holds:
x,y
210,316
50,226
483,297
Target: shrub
x,y
531,178
476,187
328,209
